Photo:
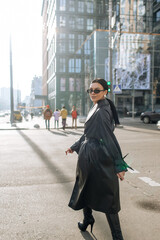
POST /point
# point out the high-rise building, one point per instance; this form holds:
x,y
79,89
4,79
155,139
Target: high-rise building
x,y
156,16
5,98
76,48
36,96
68,23
134,64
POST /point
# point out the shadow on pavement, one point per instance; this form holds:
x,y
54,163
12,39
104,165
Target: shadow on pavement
x,y
74,133
58,173
86,235
65,133
61,177
58,133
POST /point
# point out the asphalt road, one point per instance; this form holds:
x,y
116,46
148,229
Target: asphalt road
x,y
37,178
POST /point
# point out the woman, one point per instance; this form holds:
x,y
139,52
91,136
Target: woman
x,y
56,115
47,116
100,164
74,117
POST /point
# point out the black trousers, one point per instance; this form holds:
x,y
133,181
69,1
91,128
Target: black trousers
x,y
113,221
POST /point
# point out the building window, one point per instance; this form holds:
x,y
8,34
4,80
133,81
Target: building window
x,y
89,24
89,7
87,47
51,69
75,65
71,65
78,66
62,21
157,16
62,5
81,6
87,65
72,22
71,84
71,5
100,7
80,41
51,86
80,23
100,24
78,85
51,50
62,67
71,43
61,43
62,84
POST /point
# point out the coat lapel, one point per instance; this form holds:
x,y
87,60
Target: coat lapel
x,y
91,112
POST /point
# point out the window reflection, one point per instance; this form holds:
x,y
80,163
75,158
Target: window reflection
x,y
62,5
62,84
71,84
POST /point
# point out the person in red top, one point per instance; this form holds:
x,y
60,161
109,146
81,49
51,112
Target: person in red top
x,y
47,116
74,117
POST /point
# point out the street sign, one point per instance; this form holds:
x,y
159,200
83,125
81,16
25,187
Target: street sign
x,y
117,89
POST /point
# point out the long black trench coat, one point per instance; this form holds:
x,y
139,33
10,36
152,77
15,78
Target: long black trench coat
x,y
99,159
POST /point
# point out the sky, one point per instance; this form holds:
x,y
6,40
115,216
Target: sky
x,y
20,19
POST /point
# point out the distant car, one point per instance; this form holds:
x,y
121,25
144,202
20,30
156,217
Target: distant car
x,y
17,116
150,116
2,114
82,119
158,124
137,112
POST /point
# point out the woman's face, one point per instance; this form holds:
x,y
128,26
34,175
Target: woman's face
x,y
95,97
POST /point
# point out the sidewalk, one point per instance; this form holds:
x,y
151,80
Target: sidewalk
x,y
30,124
132,124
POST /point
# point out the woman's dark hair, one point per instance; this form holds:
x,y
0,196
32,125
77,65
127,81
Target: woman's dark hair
x,y
102,82
113,108
114,112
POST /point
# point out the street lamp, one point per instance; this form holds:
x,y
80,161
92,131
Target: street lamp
x,y
11,84
110,46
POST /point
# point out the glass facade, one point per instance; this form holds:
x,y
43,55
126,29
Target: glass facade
x,y
134,15
135,68
75,57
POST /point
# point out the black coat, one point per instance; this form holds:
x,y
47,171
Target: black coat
x,y
99,159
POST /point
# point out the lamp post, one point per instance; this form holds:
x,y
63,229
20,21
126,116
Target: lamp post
x,y
152,73
11,85
110,48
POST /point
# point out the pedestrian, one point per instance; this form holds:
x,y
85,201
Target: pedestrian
x,y
47,116
100,164
64,114
56,115
32,115
74,117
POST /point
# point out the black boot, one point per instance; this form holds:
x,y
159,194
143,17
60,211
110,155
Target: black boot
x,y
115,227
88,219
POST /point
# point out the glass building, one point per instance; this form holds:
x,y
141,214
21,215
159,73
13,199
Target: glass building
x,y
66,25
135,82
116,40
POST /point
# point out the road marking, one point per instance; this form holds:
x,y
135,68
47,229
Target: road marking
x,y
150,181
132,171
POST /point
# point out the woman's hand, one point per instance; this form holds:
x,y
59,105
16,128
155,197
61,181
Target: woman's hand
x,y
69,150
121,175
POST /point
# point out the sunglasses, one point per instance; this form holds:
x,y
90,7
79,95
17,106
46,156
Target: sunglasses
x,y
95,91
